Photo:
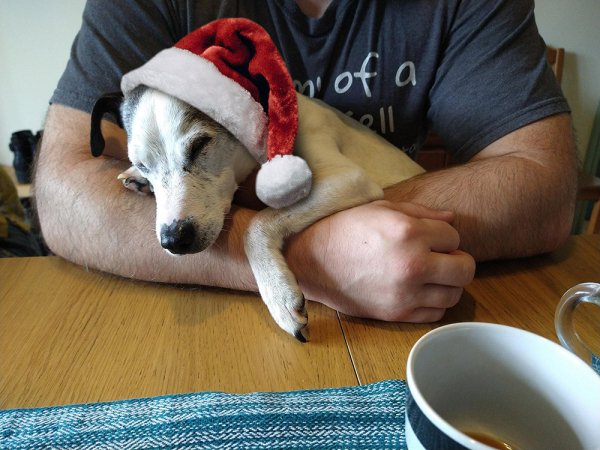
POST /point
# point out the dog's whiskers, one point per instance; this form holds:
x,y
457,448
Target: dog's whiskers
x,y
216,244
149,242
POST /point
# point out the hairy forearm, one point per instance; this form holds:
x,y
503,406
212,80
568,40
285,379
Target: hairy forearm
x,y
88,217
506,206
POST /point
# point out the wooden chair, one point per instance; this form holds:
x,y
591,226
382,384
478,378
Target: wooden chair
x,y
556,57
589,190
589,185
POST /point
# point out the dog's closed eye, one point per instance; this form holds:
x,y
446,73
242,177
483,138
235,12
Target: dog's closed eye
x,y
198,147
196,150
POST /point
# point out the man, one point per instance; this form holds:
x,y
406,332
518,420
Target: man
x,y
475,70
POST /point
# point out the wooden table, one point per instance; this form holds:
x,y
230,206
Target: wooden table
x,y
72,336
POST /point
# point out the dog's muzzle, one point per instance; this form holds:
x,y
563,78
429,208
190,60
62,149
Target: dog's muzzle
x,y
181,238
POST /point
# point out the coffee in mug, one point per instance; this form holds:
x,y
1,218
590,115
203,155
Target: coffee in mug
x,y
490,441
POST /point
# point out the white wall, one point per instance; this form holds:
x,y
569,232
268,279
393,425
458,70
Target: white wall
x,y
36,36
575,26
35,40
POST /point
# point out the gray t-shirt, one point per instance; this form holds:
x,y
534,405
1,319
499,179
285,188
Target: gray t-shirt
x,y
472,70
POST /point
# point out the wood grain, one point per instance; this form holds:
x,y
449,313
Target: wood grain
x,y
70,336
520,293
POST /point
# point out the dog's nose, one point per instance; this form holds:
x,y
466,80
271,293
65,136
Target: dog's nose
x,y
178,237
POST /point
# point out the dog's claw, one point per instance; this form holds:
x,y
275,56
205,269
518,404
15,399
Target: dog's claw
x,y
302,320
132,179
301,313
140,187
300,335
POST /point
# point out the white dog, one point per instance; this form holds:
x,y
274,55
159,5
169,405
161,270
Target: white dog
x,y
172,148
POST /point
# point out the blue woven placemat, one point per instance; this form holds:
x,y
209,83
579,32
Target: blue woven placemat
x,y
596,363
361,417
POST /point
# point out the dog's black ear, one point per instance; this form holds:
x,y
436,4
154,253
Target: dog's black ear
x,y
107,104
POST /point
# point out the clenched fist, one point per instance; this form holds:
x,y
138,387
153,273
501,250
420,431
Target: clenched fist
x,y
383,260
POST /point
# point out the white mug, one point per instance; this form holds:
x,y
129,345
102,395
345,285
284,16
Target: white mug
x,y
470,382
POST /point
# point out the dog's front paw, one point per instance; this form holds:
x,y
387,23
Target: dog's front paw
x,y
289,311
132,179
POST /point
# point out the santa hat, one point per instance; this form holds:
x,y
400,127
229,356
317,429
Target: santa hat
x,y
231,70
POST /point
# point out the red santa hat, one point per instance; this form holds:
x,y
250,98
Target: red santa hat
x,y
231,70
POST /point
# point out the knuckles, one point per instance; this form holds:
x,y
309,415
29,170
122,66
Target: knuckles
x,y
408,269
397,228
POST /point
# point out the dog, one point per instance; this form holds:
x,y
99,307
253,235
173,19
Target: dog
x,y
193,165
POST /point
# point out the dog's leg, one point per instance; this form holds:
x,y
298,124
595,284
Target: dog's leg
x,y
333,190
133,179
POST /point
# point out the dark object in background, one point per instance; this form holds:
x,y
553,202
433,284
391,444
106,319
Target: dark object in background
x,y
17,238
24,145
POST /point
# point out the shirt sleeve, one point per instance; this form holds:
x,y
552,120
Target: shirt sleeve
x,y
116,36
493,77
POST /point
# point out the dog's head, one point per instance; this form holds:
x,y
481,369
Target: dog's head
x,y
191,163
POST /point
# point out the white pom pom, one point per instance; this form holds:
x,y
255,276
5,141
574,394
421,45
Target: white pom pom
x,y
283,181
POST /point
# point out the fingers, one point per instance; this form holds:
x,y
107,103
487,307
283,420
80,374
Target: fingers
x,y
441,236
428,306
454,269
435,225
435,296
425,315
435,301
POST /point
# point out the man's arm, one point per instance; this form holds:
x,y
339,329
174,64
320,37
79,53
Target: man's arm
x,y
515,198
390,261
89,218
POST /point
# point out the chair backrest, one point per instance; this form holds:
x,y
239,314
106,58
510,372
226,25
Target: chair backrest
x,y
556,57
